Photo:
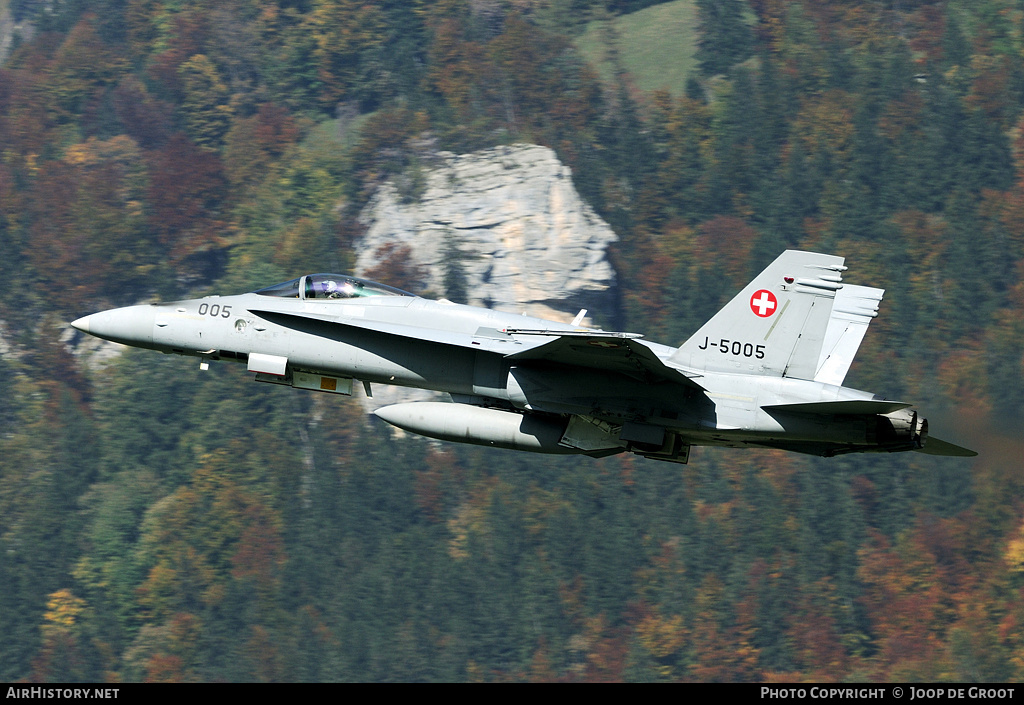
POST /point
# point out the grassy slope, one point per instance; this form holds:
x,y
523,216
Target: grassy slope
x,y
657,45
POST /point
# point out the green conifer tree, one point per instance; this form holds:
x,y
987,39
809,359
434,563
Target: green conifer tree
x,y
725,37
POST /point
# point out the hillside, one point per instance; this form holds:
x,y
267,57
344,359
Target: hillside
x,y
165,524
656,46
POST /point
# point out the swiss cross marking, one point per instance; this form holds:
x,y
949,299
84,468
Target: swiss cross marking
x,y
763,303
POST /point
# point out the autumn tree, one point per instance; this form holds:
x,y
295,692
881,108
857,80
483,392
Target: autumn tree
x,y
206,102
725,38
82,67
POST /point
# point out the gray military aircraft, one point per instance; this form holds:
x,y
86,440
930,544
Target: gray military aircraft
x,y
766,371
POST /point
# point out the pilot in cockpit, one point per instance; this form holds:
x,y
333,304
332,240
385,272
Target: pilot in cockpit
x,y
331,289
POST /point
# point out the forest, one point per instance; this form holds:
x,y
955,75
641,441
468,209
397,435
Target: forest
x,y
158,523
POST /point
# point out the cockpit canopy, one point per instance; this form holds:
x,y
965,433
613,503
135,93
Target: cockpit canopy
x,y
330,286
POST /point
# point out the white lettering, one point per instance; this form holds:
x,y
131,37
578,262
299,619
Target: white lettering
x,y
986,693
769,692
849,693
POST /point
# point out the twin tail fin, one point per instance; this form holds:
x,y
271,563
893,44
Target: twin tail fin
x,y
795,319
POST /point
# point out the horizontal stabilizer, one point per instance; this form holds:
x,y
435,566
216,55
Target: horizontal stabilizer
x,y
842,406
936,446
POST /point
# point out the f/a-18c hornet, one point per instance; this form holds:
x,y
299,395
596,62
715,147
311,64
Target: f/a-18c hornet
x,y
765,372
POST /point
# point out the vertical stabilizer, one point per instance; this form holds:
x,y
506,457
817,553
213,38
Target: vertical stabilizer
x,y
852,311
776,325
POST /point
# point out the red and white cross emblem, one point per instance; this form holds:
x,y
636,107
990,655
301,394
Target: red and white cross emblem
x,y
763,303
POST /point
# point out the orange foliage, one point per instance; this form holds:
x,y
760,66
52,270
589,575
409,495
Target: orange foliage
x,y
395,268
724,243
1011,212
963,376
771,15
454,66
264,654
143,117
815,635
344,31
990,88
650,291
185,191
204,535
87,224
902,117
911,596
428,483
826,124
188,36
25,122
541,670
275,129
930,25
162,668
723,651
81,67
608,649
663,638
261,554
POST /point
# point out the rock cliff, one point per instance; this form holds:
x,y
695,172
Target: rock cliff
x,y
9,29
507,222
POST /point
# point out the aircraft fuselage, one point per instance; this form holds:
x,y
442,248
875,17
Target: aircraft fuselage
x,y
533,384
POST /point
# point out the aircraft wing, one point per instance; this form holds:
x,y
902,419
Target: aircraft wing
x,y
484,339
612,352
509,342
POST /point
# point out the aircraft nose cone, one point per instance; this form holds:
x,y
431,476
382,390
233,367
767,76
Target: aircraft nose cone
x,y
131,325
82,324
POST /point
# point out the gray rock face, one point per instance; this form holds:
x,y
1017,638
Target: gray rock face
x,y
508,222
9,29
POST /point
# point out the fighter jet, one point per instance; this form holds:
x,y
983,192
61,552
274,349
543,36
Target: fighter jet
x,y
765,372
